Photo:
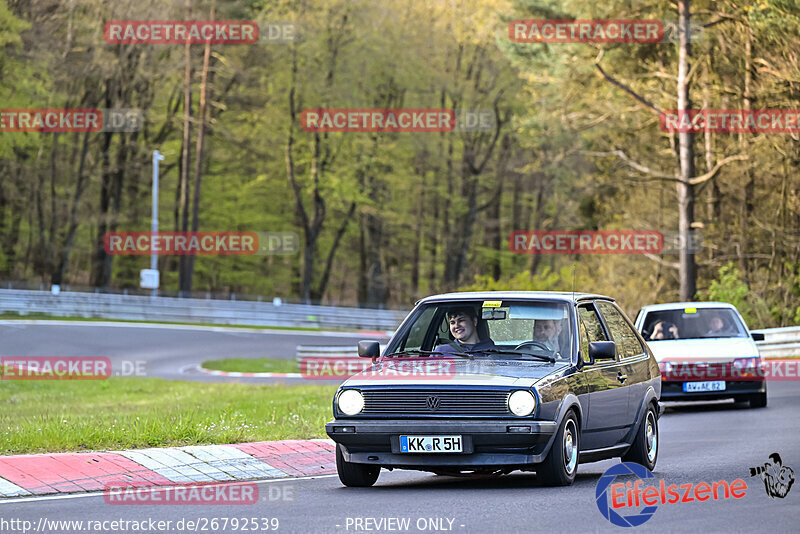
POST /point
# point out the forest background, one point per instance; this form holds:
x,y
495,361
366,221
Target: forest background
x,y
385,218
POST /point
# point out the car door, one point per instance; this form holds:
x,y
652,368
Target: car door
x,y
606,420
631,353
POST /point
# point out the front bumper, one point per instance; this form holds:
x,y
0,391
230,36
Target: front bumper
x,y
673,391
486,443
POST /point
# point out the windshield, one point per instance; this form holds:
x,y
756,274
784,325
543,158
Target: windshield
x,y
692,323
494,329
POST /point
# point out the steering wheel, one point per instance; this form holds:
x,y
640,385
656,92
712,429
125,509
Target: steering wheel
x,y
535,343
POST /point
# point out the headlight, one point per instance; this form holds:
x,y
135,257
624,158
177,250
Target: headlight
x,y
521,403
351,402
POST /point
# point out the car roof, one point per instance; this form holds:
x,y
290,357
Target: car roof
x,y
561,296
679,305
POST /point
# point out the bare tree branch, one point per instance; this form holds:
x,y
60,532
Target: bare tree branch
x,y
662,261
710,174
624,87
633,164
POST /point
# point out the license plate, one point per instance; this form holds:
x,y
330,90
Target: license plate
x,y
431,444
712,385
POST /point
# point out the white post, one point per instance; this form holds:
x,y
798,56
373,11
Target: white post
x,y
154,226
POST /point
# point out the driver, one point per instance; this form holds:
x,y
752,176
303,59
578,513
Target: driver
x,y
546,331
463,324
717,327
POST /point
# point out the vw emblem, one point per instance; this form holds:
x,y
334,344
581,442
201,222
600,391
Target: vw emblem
x,y
433,403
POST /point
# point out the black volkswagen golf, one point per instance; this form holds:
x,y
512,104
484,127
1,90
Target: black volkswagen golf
x,y
492,382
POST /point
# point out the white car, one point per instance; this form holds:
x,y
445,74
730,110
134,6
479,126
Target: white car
x,y
705,352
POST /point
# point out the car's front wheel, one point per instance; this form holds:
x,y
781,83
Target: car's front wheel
x,y
561,464
355,475
644,450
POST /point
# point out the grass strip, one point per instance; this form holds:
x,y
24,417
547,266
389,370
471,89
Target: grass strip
x,y
254,365
122,413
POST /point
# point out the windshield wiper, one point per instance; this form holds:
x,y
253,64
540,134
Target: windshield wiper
x,y
518,353
429,352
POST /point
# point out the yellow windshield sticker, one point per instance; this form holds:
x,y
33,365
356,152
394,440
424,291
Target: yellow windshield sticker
x,y
492,303
690,310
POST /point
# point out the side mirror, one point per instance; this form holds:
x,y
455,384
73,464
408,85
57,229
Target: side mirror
x,y
602,350
757,336
369,349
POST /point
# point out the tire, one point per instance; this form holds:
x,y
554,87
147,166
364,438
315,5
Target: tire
x,y
355,475
644,450
759,400
561,463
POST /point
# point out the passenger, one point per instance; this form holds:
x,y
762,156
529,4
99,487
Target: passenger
x,y
546,332
463,325
664,330
717,327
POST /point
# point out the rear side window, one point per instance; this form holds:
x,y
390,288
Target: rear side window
x,y
591,329
628,344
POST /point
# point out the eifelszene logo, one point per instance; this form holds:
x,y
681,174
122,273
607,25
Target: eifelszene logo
x,y
629,496
778,478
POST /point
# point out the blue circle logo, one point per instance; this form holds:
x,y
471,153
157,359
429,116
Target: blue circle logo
x,y
601,495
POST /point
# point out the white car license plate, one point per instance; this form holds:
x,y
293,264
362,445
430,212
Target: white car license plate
x,y
431,444
712,385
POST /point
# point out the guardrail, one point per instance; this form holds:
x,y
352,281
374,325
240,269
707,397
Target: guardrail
x,y
779,342
193,310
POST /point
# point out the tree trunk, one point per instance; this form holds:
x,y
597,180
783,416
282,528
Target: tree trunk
x,y
198,157
183,282
61,271
99,277
746,205
687,267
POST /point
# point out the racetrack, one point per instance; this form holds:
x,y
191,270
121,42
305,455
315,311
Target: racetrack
x,y
172,352
699,442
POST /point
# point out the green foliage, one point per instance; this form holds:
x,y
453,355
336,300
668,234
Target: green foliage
x,y
546,280
420,198
729,287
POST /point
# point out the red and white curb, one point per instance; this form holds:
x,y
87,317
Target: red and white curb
x,y
42,474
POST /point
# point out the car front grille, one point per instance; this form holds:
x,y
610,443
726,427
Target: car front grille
x,y
435,402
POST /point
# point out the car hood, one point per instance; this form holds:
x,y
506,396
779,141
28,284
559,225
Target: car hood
x,y
456,372
705,350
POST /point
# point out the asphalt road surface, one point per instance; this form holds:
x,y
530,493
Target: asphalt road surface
x,y
699,443
163,351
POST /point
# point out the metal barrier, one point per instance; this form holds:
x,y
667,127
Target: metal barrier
x,y
188,310
779,342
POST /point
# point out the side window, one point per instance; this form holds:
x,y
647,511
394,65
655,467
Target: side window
x,y
627,343
416,336
591,329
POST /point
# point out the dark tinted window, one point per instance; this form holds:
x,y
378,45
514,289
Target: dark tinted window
x,y
624,336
